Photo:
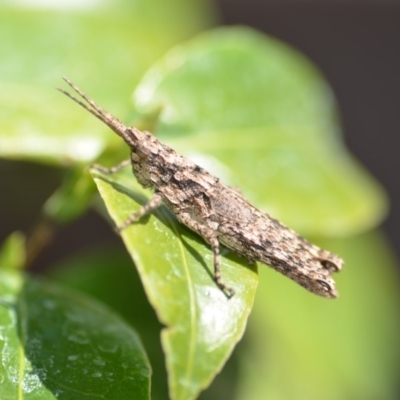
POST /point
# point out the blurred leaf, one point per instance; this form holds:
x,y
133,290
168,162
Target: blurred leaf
x,y
175,265
302,347
12,252
103,46
72,198
257,114
58,345
107,273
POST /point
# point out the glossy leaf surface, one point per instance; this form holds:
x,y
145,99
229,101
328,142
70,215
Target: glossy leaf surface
x,y
56,344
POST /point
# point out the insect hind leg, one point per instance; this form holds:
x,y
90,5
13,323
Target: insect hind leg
x,y
210,237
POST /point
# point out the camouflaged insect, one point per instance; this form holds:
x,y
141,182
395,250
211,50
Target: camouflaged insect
x,y
216,212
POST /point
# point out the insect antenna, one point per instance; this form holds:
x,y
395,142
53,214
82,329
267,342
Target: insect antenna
x,y
114,123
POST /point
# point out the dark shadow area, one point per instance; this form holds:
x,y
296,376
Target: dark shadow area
x,y
24,188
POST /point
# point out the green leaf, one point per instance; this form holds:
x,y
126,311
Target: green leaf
x,y
260,116
302,347
104,47
107,273
12,252
56,344
175,266
72,198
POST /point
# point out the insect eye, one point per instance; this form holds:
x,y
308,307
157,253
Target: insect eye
x,y
326,286
330,266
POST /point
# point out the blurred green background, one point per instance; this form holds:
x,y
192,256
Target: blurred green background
x,y
296,346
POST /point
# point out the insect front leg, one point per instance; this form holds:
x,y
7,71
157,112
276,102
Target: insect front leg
x,y
210,237
111,170
152,204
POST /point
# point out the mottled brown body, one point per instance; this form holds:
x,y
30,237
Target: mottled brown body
x,y
216,212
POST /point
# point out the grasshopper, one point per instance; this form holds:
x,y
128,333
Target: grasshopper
x,y
218,213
